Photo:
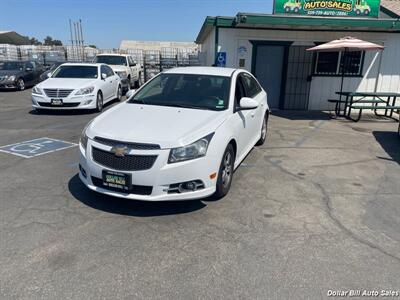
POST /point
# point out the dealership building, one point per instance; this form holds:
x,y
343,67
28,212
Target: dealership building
x,y
273,47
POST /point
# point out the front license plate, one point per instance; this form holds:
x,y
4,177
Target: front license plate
x,y
56,102
117,180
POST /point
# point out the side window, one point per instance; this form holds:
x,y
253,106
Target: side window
x,y
131,61
240,91
252,86
29,65
103,70
109,71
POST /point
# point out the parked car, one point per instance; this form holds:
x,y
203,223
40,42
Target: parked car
x,y
178,137
46,74
77,86
19,74
125,66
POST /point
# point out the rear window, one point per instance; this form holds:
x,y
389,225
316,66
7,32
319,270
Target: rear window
x,y
111,60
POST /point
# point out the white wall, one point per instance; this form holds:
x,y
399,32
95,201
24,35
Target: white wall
x,y
208,48
322,88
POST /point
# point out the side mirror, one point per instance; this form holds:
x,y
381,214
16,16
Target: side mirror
x,y
49,74
130,93
248,103
103,76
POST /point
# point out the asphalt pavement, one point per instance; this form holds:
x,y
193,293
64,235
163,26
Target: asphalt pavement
x,y
317,208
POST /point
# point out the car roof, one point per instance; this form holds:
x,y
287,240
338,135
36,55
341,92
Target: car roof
x,y
112,54
82,64
216,71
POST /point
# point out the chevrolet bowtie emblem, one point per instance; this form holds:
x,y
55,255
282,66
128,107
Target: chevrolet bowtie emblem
x,y
119,150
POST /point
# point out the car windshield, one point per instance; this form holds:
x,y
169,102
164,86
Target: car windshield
x,y
185,90
76,72
111,60
12,65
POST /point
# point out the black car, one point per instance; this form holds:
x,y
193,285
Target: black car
x,y
50,70
19,74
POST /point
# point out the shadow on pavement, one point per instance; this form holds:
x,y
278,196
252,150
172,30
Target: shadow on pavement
x,y
390,142
129,207
302,115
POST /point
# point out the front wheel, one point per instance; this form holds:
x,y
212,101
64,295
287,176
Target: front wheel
x,y
138,82
225,173
119,93
264,130
99,102
21,84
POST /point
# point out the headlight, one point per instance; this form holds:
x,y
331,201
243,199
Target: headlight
x,y
37,91
84,138
11,78
85,91
192,151
122,73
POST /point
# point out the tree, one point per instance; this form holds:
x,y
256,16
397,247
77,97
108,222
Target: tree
x,y
35,41
48,41
93,46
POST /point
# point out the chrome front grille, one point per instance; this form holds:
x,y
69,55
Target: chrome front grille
x,y
57,93
135,146
125,163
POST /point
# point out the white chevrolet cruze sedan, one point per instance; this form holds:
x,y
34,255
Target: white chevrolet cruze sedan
x,y
77,86
180,136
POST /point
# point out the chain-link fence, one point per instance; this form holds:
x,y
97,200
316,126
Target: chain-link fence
x,y
152,62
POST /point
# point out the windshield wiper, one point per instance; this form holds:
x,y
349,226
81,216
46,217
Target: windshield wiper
x,y
188,106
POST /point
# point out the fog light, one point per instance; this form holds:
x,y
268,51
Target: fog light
x,y
184,187
87,102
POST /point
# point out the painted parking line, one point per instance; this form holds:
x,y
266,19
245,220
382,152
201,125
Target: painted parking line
x,y
36,147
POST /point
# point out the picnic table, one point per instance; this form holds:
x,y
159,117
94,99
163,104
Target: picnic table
x,y
366,100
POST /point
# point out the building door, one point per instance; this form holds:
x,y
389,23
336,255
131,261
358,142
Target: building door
x,y
299,69
268,69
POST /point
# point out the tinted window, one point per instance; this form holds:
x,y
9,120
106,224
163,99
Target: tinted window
x,y
239,91
252,86
111,60
12,65
108,71
76,72
186,90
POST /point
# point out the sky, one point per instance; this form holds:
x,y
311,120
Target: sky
x,y
107,23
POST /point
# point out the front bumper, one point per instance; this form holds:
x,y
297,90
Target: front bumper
x,y
70,102
158,178
8,85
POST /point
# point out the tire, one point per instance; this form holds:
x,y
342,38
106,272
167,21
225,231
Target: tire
x,y
130,82
119,93
99,102
296,10
20,84
138,82
264,130
225,173
358,12
366,12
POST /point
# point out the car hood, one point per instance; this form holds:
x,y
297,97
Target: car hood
x,y
66,83
10,72
167,126
118,68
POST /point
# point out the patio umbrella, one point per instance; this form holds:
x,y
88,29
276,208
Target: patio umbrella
x,y
347,44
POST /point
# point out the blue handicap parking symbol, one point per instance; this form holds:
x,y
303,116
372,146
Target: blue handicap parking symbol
x,y
36,147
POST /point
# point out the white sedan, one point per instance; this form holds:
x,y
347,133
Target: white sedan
x,y
178,137
77,86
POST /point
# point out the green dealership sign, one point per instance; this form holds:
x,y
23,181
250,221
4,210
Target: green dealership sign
x,y
336,8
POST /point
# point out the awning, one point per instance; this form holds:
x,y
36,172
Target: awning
x,y
13,38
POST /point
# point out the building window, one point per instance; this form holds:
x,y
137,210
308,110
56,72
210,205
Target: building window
x,y
332,63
